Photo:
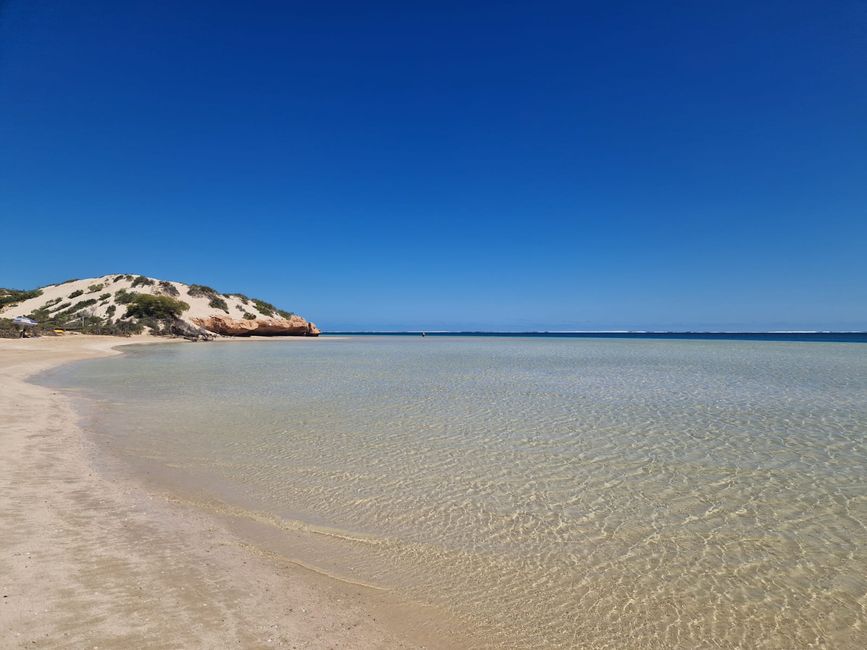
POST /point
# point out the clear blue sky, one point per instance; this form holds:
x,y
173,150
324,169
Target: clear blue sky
x,y
506,165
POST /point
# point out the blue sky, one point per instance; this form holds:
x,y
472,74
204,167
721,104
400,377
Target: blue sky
x,y
442,165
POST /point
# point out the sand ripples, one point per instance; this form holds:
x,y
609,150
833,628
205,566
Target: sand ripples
x,y
553,493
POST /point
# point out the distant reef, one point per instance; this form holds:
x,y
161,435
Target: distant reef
x,y
134,304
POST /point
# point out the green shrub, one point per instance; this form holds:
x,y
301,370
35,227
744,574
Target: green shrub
x,y
75,294
241,297
142,281
117,278
153,324
218,303
144,305
11,296
81,304
264,307
62,306
51,302
70,280
249,316
95,287
105,296
63,315
40,314
8,330
169,289
110,311
124,297
201,291
285,314
122,328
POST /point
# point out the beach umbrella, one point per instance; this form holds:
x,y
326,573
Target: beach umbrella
x,y
22,321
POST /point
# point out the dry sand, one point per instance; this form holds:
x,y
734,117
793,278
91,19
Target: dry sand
x,y
88,561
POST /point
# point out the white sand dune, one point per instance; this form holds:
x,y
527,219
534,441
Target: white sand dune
x,y
98,298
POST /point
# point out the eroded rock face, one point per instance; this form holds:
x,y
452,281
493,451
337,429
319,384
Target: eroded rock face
x,y
264,326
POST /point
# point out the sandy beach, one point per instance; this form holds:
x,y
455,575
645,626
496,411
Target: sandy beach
x,y
92,561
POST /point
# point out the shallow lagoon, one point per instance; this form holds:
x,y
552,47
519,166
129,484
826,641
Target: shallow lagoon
x,y
548,492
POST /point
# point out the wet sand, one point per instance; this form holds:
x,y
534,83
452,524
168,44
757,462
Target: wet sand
x,y
89,560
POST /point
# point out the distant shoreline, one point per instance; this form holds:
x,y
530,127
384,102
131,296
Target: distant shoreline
x,y
793,336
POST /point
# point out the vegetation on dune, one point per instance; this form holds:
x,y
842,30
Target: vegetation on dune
x,y
215,300
218,303
169,289
7,329
73,310
146,306
124,297
161,311
201,291
264,307
121,328
11,296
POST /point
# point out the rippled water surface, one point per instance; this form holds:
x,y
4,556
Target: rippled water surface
x,y
548,492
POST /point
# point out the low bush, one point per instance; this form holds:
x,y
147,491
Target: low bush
x,y
124,297
119,328
264,307
39,315
201,291
105,296
285,314
142,281
11,296
145,306
218,303
249,316
95,287
8,330
75,294
77,307
169,289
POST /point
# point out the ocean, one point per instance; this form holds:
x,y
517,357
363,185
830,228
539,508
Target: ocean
x,y
546,492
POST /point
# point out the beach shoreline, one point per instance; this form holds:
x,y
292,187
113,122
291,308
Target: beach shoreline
x,y
93,560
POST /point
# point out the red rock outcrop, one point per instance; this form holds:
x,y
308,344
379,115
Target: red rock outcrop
x,y
265,326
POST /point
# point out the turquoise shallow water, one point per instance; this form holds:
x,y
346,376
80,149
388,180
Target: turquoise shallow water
x,y
548,492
